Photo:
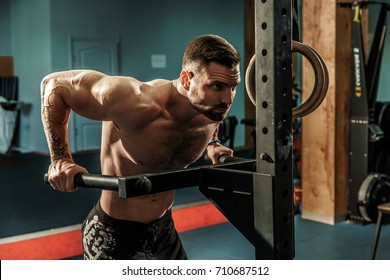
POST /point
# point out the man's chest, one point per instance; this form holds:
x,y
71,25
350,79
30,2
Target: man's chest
x,y
167,146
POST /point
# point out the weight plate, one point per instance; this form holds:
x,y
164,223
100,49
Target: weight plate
x,y
374,190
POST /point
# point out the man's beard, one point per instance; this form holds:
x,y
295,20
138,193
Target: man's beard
x,y
215,113
212,114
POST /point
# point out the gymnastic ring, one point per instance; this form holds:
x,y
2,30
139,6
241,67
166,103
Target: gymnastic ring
x,y
320,84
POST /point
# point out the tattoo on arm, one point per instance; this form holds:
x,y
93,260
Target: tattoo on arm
x,y
57,149
56,142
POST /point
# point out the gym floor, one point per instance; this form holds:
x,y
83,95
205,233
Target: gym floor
x,y
40,223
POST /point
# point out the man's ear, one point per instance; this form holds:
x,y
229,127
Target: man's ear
x,y
185,79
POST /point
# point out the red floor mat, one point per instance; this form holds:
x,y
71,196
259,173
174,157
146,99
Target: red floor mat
x,y
68,244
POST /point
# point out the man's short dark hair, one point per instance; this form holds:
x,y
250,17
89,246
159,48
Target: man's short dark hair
x,y
205,49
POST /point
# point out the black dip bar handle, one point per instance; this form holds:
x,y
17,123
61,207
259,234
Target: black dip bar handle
x,y
224,159
93,181
144,184
141,185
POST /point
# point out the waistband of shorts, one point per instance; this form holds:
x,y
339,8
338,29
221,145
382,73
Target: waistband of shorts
x,y
126,223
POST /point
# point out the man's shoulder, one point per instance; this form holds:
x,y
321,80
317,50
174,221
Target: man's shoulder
x,y
158,82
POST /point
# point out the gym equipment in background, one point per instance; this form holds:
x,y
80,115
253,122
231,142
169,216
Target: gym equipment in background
x,y
369,182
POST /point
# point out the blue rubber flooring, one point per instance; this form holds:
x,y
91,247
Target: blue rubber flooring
x,y
313,241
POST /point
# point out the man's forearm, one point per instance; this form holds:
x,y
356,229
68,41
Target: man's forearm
x,y
57,141
55,115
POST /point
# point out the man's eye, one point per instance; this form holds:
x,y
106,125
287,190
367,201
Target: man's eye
x,y
217,86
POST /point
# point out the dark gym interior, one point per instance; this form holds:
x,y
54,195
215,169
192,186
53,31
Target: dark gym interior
x,y
340,155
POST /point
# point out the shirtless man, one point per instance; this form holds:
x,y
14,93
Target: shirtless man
x,y
148,127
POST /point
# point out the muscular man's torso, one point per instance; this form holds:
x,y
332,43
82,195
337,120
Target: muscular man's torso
x,y
162,144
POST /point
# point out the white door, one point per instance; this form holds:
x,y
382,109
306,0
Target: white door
x,y
100,55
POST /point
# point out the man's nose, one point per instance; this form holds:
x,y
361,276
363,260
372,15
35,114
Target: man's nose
x,y
227,96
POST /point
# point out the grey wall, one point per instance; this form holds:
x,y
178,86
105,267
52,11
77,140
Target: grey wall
x,y
39,32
